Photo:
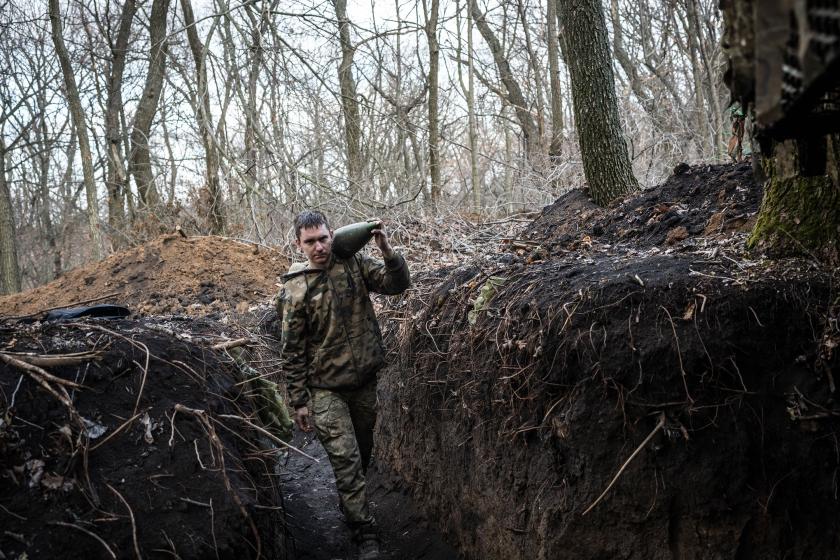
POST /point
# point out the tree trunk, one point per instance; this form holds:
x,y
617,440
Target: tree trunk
x,y
9,269
555,148
213,204
434,131
349,103
116,177
78,115
140,164
603,149
800,211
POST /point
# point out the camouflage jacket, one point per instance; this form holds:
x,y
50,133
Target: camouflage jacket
x,y
330,335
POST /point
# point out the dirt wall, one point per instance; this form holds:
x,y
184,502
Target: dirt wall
x,y
698,374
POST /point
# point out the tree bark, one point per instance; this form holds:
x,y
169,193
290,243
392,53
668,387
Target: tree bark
x,y
78,115
434,131
140,164
349,103
555,148
213,204
9,268
602,145
116,175
800,211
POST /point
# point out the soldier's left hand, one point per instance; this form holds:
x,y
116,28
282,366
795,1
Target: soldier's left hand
x,y
381,239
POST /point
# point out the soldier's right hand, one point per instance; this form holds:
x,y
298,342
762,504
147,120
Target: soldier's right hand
x,y
302,419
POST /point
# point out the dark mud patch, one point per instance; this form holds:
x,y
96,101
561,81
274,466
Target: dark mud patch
x,y
153,459
707,366
316,528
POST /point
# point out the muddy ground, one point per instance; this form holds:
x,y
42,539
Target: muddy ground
x,y
634,385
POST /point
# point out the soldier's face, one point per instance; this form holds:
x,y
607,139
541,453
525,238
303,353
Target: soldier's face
x,y
316,244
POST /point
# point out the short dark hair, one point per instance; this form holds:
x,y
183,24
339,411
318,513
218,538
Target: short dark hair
x,y
309,219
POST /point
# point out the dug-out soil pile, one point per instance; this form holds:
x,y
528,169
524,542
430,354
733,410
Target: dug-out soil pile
x,y
170,274
621,390
131,438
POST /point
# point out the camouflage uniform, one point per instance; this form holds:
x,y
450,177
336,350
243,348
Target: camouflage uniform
x,y
332,349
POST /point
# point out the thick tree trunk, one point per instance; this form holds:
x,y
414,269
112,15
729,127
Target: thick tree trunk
x,y
800,211
555,148
349,103
9,269
212,206
78,115
434,131
602,145
117,177
141,164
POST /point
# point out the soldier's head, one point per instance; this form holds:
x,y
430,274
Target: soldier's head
x,y
314,237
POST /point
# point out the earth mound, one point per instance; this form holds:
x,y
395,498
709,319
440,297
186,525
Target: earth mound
x,y
170,274
124,438
606,388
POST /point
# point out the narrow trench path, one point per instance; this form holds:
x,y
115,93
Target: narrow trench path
x,y
316,528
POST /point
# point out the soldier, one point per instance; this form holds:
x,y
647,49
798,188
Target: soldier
x,y
332,349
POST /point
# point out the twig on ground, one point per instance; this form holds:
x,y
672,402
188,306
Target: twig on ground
x,y
269,435
133,523
659,425
232,344
47,360
119,428
89,533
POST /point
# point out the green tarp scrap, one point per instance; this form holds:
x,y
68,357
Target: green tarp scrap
x,y
268,401
485,294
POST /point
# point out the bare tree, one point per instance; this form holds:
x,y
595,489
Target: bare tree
x,y
116,178
349,102
75,103
432,17
140,161
212,205
555,148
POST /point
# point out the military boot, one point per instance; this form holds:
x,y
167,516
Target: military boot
x,y
369,549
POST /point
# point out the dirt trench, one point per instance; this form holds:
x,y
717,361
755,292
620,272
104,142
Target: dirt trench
x,y
143,437
631,384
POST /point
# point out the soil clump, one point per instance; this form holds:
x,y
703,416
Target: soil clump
x,y
132,437
170,274
624,382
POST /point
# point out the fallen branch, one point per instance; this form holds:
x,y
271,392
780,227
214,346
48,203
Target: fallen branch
x,y
32,368
43,378
659,426
226,345
269,435
48,360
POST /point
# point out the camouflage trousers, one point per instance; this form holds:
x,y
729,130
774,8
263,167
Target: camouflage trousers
x,y
344,422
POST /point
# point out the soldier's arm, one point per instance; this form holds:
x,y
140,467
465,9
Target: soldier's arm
x,y
294,349
389,277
